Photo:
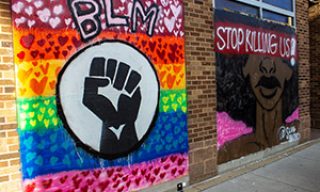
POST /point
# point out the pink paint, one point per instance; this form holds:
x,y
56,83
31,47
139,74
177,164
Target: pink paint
x,y
125,178
294,116
229,129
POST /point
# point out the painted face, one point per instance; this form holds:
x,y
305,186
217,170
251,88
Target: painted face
x,y
267,78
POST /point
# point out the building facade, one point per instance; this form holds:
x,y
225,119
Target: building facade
x,y
179,46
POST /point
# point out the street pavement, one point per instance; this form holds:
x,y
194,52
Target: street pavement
x,y
299,172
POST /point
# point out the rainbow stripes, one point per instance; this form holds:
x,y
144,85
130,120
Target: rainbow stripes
x,y
51,159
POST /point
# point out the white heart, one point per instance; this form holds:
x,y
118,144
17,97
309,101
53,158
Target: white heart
x,y
176,33
31,23
122,1
167,12
175,10
148,3
54,22
164,3
38,4
169,23
44,15
29,10
29,1
67,21
178,25
181,33
17,7
20,20
57,9
161,29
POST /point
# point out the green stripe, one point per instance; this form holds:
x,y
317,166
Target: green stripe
x,y
41,112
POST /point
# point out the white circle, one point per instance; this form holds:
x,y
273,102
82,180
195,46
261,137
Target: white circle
x,y
84,124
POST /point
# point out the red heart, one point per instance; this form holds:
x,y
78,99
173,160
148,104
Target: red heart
x,y
45,69
76,42
41,42
52,84
21,55
27,41
170,81
47,183
38,87
34,53
30,187
63,40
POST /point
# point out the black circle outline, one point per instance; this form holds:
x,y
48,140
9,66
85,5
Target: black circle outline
x,y
78,142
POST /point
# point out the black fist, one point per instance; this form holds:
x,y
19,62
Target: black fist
x,y
118,108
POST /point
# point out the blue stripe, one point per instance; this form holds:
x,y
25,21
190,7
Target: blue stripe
x,y
54,150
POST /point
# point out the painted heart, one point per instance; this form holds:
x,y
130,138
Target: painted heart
x,y
29,10
34,53
27,41
17,7
169,23
38,87
31,23
44,15
176,10
30,187
54,22
76,42
67,21
57,9
23,75
41,42
63,40
21,55
45,68
30,156
38,4
20,20
53,161
46,183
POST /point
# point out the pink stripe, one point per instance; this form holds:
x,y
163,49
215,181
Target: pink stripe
x,y
124,178
294,116
229,129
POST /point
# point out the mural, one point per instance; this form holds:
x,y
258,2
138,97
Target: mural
x,y
101,93
257,85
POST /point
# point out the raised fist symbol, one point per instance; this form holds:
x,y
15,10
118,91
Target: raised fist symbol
x,y
112,93
108,97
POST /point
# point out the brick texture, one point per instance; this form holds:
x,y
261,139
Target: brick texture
x,y
10,176
304,68
314,19
201,87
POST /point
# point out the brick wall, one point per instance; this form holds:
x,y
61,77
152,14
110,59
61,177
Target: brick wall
x,y
10,177
200,83
314,19
201,87
304,68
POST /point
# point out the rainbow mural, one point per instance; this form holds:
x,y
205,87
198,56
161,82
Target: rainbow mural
x,y
55,155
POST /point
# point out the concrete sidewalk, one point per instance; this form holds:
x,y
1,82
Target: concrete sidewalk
x,y
298,172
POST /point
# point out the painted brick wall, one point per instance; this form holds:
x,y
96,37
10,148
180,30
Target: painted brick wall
x,y
304,68
314,19
10,177
201,87
200,83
